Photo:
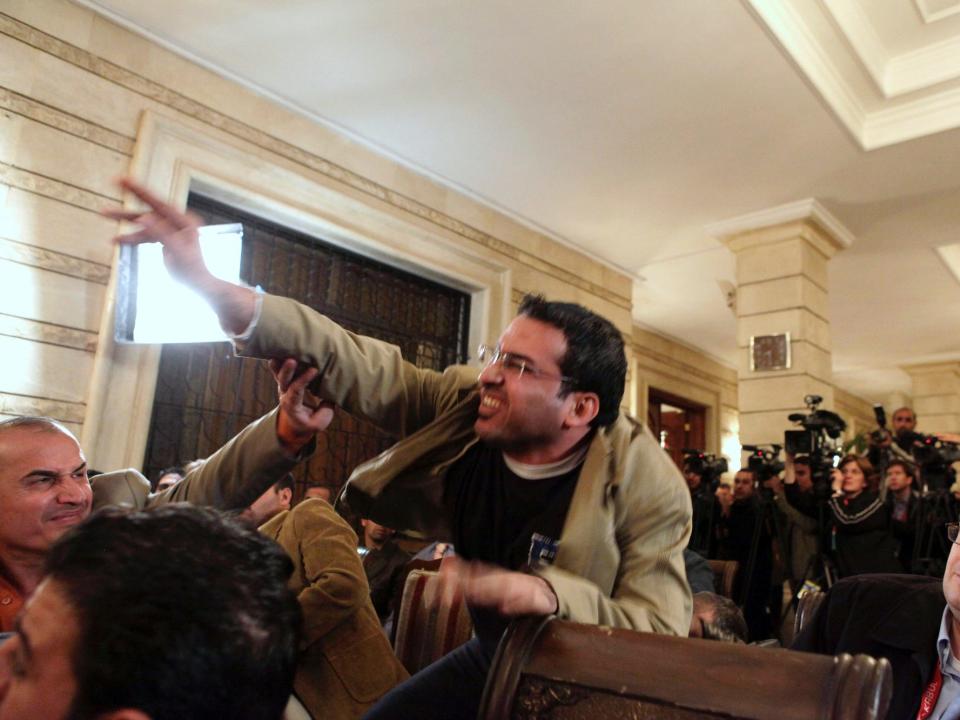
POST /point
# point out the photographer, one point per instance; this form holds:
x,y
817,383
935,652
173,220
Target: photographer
x,y
861,537
704,505
903,504
742,533
793,496
886,446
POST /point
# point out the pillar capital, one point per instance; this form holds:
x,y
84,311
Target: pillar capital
x,y
805,219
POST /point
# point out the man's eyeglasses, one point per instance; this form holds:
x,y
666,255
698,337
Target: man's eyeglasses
x,y
514,364
953,529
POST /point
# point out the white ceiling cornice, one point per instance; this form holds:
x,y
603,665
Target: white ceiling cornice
x,y
882,96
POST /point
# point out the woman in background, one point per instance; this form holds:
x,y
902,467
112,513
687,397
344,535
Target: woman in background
x,y
861,538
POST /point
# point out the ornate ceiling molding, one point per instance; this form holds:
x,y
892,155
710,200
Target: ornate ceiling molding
x,y
882,93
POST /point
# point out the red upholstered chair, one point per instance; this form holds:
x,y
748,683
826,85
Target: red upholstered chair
x,y
426,629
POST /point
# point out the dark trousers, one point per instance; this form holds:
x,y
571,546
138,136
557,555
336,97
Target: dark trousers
x,y
449,689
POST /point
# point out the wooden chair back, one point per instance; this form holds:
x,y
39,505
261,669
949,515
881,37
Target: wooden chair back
x,y
807,608
724,576
547,668
426,628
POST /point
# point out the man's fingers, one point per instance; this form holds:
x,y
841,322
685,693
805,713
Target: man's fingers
x,y
286,379
124,215
146,196
139,237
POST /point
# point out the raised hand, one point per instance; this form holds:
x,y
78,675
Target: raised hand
x,y
178,233
163,223
302,415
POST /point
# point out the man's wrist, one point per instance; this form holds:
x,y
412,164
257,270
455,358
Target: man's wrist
x,y
235,305
291,438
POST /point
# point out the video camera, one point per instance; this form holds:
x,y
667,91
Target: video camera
x,y
708,466
935,457
764,461
881,433
817,440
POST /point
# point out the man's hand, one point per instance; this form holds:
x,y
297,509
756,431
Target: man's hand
x,y
179,235
302,415
775,484
163,223
881,438
509,593
836,481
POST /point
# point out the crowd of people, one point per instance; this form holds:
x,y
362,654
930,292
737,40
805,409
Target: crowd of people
x,y
211,594
861,516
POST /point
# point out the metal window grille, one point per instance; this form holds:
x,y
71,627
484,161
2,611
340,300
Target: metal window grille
x,y
205,395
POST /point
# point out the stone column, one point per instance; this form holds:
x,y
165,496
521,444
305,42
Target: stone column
x,y
782,287
936,396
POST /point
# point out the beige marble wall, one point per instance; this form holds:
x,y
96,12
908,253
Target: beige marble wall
x,y
936,396
73,88
857,412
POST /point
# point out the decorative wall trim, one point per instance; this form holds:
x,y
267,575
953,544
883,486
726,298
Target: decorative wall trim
x,y
71,412
666,364
55,189
48,333
176,101
54,261
65,122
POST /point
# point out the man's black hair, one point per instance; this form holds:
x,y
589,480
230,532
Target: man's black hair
x,y
909,469
728,622
285,483
182,612
595,359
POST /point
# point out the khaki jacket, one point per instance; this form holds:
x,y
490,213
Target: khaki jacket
x,y
620,555
346,662
230,479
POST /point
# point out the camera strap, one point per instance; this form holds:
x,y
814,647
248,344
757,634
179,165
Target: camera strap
x,y
928,701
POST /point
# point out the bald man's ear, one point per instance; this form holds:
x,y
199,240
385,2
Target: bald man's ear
x,y
584,409
125,714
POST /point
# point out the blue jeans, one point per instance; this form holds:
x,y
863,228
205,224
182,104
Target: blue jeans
x,y
449,689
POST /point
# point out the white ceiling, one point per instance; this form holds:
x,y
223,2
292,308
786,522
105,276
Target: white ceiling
x,y
626,128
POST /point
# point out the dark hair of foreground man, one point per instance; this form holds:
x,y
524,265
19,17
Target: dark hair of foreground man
x,y
178,613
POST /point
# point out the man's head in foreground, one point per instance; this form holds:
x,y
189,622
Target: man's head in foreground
x,y
44,489
557,371
171,613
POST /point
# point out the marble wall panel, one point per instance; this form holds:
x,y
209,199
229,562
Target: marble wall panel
x,y
38,294
45,371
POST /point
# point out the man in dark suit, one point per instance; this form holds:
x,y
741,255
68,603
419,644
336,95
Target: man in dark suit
x,y
910,620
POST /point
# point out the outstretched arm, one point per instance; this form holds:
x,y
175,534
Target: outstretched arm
x,y
178,233
264,451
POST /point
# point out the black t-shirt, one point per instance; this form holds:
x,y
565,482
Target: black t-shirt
x,y
503,519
